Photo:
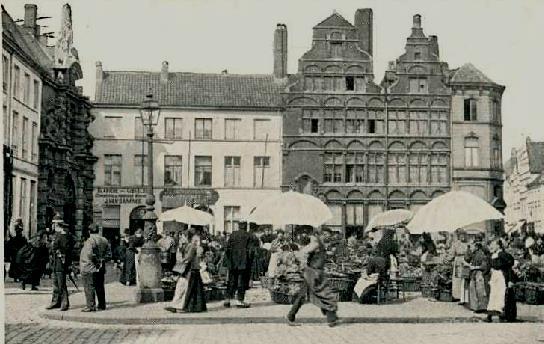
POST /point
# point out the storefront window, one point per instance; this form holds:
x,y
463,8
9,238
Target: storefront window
x,y
203,171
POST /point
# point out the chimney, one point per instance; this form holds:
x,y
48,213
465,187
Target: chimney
x,y
31,15
280,51
417,21
224,72
164,72
99,79
434,45
364,25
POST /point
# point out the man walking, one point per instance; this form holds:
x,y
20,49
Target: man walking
x,y
238,256
104,255
61,251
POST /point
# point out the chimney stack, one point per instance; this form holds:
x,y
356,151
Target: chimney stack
x,y
417,21
164,72
99,79
31,16
364,25
280,51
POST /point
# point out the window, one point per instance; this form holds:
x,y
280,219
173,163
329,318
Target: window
x,y
439,163
397,168
172,128
418,85
138,128
34,142
232,219
203,171
419,165
6,124
16,81
172,170
354,122
334,121
354,214
140,169
354,168
310,121
261,171
495,112
336,211
336,49
418,123
36,94
33,200
470,107
375,168
112,169
5,73
397,122
334,168
15,134
24,139
350,83
232,171
26,90
439,123
375,124
372,126
203,128
111,216
314,126
472,146
22,200
262,129
232,128
417,55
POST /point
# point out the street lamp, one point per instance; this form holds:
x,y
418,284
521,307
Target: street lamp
x,y
149,264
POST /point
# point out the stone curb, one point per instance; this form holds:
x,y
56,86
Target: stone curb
x,y
173,320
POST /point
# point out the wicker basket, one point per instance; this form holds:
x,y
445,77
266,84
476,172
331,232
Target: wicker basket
x,y
411,284
427,290
267,282
344,287
534,294
444,295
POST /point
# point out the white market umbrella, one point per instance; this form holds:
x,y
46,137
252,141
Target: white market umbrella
x,y
291,208
453,210
187,215
390,218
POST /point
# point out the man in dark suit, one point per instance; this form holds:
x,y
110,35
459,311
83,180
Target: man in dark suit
x,y
61,251
239,255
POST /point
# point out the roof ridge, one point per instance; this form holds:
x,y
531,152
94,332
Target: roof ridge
x,y
191,73
334,14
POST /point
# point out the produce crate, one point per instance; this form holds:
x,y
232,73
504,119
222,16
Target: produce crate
x,y
344,287
411,284
444,295
427,290
267,282
519,291
534,294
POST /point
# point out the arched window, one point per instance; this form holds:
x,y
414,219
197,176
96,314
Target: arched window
x,y
472,148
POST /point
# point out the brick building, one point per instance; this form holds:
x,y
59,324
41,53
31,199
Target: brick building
x,y
364,148
61,146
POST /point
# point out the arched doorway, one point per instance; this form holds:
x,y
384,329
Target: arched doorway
x,y
136,220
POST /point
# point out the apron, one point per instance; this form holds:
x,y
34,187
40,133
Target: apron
x,y
497,293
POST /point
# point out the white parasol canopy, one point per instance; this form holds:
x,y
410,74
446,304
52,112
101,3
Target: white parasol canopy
x,y
390,218
453,210
291,208
187,215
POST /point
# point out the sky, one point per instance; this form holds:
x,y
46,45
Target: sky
x,y
500,37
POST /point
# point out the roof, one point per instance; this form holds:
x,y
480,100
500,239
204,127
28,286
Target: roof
x,y
535,152
25,41
191,89
508,168
470,74
334,20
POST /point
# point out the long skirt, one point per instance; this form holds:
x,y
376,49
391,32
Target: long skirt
x,y
179,294
321,295
195,298
478,296
457,281
497,293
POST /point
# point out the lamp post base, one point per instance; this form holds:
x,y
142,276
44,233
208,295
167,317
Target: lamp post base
x,y
147,295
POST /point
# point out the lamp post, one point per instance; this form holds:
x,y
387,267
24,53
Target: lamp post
x,y
149,264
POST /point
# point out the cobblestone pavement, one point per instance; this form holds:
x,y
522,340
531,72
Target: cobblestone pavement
x,y
275,333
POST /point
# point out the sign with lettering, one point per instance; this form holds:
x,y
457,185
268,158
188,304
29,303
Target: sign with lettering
x,y
120,195
173,198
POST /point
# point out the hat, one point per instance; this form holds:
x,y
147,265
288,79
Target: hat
x,y
58,220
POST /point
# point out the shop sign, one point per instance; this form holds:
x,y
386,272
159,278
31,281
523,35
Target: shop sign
x,y
120,195
173,198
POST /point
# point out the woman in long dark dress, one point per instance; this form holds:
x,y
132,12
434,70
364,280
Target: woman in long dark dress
x,y
195,297
502,301
479,277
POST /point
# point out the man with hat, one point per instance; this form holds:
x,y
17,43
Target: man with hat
x,y
104,255
61,251
15,243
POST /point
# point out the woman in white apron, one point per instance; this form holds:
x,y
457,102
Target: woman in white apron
x,y
502,302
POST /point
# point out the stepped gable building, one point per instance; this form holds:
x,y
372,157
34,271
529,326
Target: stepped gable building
x,y
364,148
217,143
64,163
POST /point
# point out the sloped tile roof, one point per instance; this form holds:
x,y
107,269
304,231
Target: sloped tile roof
x,y
191,89
468,73
28,44
334,20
